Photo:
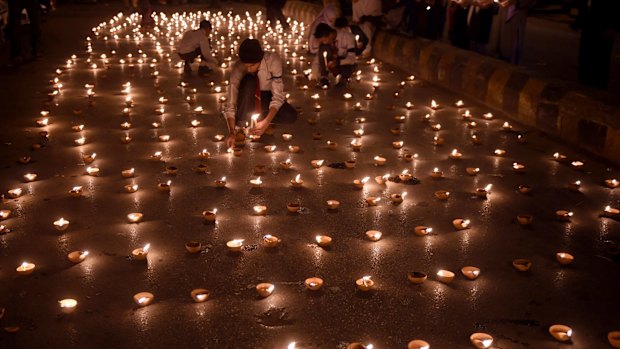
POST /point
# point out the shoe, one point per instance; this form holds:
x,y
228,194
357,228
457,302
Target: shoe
x,y
204,71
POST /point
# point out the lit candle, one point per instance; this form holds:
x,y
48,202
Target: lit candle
x,y
235,245
506,126
578,165
143,298
323,240
481,340
140,254
297,182
209,216
374,235
422,230
68,305
611,211
164,187
381,180
92,171
220,183
88,158
372,201
460,223
436,173
483,192
445,276
559,157
563,215
25,268
314,283
287,137
333,204
518,167
522,264
317,163
325,58
199,295
524,189
471,273
379,160
331,145
562,333
564,258
472,171
442,194
576,185
455,154
270,148
397,144
77,256
409,105
15,193
135,217
80,141
364,283
61,224
270,240
265,289
360,183
356,145
30,177
612,183
256,182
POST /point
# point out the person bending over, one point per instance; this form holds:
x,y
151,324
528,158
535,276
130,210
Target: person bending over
x,y
196,43
256,88
336,55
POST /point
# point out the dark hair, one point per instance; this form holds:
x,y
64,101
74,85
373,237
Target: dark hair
x,y
322,30
341,22
205,24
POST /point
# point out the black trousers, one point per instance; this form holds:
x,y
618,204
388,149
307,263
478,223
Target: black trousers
x,y
246,104
190,56
15,27
274,12
345,70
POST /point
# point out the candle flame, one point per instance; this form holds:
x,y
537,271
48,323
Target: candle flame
x,y
488,187
146,247
403,194
297,178
365,179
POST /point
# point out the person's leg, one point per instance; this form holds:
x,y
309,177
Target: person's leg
x,y
34,14
15,29
246,100
285,115
188,59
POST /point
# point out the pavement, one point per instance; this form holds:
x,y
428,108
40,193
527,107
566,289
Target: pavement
x,y
516,308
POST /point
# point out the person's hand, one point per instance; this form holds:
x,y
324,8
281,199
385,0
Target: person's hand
x,y
260,128
230,140
485,3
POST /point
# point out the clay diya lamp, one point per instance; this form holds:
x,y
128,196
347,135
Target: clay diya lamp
x,y
350,164
220,183
235,245
164,187
518,167
61,224
317,163
436,174
409,157
405,176
564,258
442,194
323,240
265,289
396,131
259,169
128,173
256,182
143,299
294,149
364,284
422,230
563,215
522,264
372,201
270,241
416,277
333,204
455,155
481,340
199,295
287,137
30,177
193,246
499,152
204,154
418,344
524,189
397,144
472,171
171,170
525,219
209,216
77,256
614,338
135,217
313,283
561,333
25,268
270,148
259,210
356,145
317,136
68,305
297,182
445,276
331,145
374,235
470,272
482,193
398,198
293,207
140,254
461,224
359,183
574,186
612,183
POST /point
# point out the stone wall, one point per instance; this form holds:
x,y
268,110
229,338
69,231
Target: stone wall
x,y
572,114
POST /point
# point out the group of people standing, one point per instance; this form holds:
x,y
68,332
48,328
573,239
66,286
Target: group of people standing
x,y
11,26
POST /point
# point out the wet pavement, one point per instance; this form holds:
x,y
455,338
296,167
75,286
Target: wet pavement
x,y
516,308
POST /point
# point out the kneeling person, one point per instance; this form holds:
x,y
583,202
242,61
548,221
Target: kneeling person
x,y
196,43
256,87
336,55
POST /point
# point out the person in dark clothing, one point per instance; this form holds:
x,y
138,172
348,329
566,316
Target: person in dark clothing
x,y
597,19
274,12
458,29
33,9
481,20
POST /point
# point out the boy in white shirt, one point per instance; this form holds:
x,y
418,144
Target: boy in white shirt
x,y
196,43
336,54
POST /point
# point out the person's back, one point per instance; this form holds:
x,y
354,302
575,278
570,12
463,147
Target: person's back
x,y
195,43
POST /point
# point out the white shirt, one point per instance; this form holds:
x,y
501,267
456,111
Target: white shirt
x,y
345,42
269,78
194,39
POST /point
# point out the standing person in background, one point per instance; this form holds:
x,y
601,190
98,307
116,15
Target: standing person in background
x,y
274,12
508,30
197,43
256,88
328,16
33,9
4,18
597,19
480,19
367,14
